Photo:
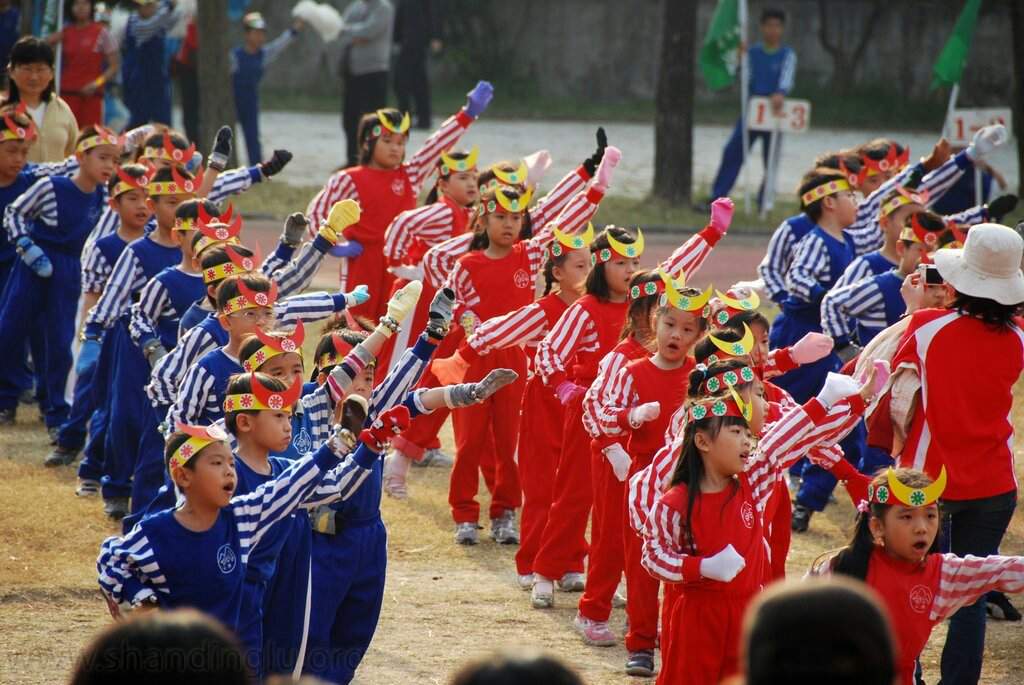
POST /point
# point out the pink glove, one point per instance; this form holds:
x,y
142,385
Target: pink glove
x,y
537,165
881,376
612,155
721,215
567,391
811,348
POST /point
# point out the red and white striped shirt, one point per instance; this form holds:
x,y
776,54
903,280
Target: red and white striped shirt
x,y
430,225
604,387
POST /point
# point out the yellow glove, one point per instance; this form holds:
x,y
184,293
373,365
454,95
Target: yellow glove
x,y
404,301
343,214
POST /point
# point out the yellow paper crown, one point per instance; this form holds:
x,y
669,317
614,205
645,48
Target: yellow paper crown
x,y
103,136
275,345
568,241
451,165
904,494
824,190
199,437
384,123
741,348
674,298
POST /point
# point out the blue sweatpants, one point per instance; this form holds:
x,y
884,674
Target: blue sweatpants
x,y
128,409
348,590
248,112
732,160
149,464
92,466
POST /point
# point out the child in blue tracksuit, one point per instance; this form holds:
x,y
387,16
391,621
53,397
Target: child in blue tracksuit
x,y
144,65
49,225
246,66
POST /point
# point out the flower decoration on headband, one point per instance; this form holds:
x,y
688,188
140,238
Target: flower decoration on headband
x,y
263,398
894,491
236,265
204,217
628,250
14,130
646,289
383,122
728,350
905,196
730,378
275,345
892,161
570,241
178,185
919,233
731,305
511,178
103,136
824,190
450,165
672,297
126,182
854,179
168,152
250,299
725,405
198,438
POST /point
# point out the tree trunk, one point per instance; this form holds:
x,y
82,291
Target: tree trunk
x,y
1017,45
216,101
673,104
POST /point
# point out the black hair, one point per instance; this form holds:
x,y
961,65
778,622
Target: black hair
x,y
853,559
133,170
995,314
597,284
164,175
228,288
189,209
67,10
216,255
157,140
878,149
163,648
326,345
478,227
434,193
518,668
29,50
366,124
549,269
638,314
241,383
773,13
810,181
830,160
820,630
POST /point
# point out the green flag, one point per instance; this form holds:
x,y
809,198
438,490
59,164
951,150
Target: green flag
x,y
950,66
719,54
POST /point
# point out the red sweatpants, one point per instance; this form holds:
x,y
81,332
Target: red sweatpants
x,y
606,560
779,531
668,602
88,109
369,268
489,427
411,328
641,591
564,544
421,435
540,439
705,641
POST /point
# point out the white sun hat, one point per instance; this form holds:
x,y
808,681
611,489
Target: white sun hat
x,y
988,266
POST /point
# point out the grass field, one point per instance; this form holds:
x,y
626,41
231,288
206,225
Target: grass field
x,y
444,603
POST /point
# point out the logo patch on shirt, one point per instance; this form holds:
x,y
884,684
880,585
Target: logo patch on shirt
x,y
920,598
302,442
398,187
226,559
747,514
521,279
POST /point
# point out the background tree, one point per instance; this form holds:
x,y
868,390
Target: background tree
x,y
218,106
673,103
844,43
1017,45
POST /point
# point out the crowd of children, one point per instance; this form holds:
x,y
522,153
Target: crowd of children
x,y
664,417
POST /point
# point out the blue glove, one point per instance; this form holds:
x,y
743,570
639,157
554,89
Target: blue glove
x,y
478,98
352,248
192,165
87,356
34,257
358,296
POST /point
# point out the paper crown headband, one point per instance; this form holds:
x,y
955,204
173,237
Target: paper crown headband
x,y
824,190
905,196
250,299
673,298
516,177
384,123
730,305
236,265
275,345
726,405
204,217
918,233
891,162
168,152
263,398
214,230
510,205
728,350
450,165
103,136
178,185
126,182
627,250
894,491
568,241
728,379
14,130
336,355
959,237
198,438
854,179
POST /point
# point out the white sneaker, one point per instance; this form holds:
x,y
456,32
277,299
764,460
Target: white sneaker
x,y
396,467
542,595
465,534
87,487
503,528
525,581
434,457
572,582
596,633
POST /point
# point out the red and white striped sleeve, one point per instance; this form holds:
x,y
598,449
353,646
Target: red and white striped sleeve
x,y
609,398
963,579
572,219
419,167
574,331
551,205
522,326
778,362
431,224
439,260
689,256
466,296
662,554
339,187
648,483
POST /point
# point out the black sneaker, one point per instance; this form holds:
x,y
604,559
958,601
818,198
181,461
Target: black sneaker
x,y
61,456
641,663
801,519
116,507
8,416
997,605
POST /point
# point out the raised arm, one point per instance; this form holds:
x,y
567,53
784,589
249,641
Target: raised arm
x,y
964,579
439,260
573,331
430,224
421,164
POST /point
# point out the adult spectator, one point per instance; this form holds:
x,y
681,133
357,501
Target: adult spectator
x,y
89,58
416,32
365,56
31,72
10,29
147,83
772,70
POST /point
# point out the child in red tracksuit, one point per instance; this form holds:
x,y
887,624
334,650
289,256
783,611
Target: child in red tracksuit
x,y
385,184
641,400
706,532
569,360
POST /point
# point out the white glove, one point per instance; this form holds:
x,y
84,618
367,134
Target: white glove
x,y
537,165
410,272
648,411
987,139
722,566
837,386
619,460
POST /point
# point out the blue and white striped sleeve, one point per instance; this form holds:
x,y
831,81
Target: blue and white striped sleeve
x,y
319,408
162,20
810,267
939,181
281,255
273,49
858,269
256,511
776,261
190,405
296,275
127,568
168,372
787,75
233,182
403,376
861,301
65,167
154,300
95,269
867,210
38,203
974,215
126,278
108,223
307,307
343,480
